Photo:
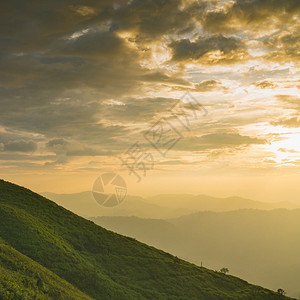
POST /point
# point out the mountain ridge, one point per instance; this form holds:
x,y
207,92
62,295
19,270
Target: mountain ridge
x,y
160,206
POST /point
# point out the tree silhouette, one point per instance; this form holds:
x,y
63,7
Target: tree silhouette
x,y
281,292
224,270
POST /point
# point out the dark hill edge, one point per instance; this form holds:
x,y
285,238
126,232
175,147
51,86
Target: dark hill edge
x,y
103,264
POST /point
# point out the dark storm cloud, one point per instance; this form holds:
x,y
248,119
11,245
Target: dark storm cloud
x,y
232,49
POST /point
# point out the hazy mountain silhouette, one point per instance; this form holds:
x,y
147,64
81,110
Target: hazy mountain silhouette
x,y
159,207
208,203
84,205
261,246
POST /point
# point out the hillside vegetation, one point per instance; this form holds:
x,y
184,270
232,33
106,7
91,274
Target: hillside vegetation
x,y
105,265
22,278
260,246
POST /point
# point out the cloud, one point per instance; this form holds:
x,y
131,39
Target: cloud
x,y
209,86
241,15
287,150
134,110
94,43
20,146
85,10
293,122
56,143
153,19
230,139
217,141
63,148
291,100
160,77
209,50
265,84
46,23
284,46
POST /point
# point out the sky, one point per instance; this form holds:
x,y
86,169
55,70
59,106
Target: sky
x,y
176,96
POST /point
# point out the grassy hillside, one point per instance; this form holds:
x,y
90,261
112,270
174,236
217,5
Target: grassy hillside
x,y
103,264
22,278
260,246
155,232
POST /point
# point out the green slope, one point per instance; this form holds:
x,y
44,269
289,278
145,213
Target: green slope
x,y
22,278
103,264
260,246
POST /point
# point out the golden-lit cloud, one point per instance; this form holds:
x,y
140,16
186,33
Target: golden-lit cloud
x,y
243,15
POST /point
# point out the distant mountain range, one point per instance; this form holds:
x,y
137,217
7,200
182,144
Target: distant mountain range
x,y
207,203
261,246
84,205
159,207
43,245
